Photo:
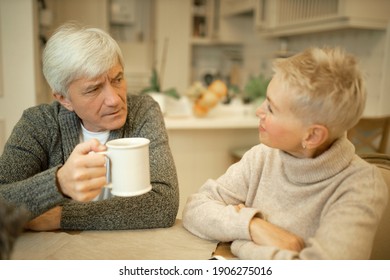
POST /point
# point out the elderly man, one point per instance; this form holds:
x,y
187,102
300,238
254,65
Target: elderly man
x,y
47,165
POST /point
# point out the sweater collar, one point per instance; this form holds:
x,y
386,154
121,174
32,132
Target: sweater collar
x,y
70,126
70,130
325,166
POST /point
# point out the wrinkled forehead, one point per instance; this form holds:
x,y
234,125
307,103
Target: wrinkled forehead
x,y
93,69
111,73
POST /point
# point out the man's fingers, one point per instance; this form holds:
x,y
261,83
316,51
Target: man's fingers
x,y
91,145
88,192
95,160
84,174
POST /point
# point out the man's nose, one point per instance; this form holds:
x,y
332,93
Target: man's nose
x,y
111,96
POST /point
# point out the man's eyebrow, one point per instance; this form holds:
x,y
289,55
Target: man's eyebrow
x,y
96,83
120,74
92,85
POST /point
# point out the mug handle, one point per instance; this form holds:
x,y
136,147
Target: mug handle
x,y
108,168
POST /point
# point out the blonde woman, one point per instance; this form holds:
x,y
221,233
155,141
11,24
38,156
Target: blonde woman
x,y
302,193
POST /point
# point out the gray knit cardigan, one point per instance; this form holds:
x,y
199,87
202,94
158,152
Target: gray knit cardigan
x,y
42,141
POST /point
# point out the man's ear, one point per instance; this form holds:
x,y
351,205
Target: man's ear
x,y
64,101
317,135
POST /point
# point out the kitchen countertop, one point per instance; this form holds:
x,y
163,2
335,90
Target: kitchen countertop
x,y
236,116
212,122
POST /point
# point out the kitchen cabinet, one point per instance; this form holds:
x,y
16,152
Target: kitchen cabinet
x,y
216,45
235,8
203,19
293,17
211,24
200,41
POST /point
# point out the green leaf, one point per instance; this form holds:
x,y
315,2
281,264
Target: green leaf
x,y
146,90
172,93
256,87
154,82
155,87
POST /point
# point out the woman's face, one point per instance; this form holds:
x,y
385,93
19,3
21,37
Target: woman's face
x,y
278,127
99,102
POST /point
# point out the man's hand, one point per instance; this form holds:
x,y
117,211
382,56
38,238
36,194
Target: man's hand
x,y
84,173
49,220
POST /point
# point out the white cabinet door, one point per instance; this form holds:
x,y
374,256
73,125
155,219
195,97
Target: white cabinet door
x,y
293,17
234,7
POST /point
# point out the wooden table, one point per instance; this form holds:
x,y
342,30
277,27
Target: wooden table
x,y
174,243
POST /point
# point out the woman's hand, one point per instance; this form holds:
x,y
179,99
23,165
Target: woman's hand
x,y
238,207
265,233
84,173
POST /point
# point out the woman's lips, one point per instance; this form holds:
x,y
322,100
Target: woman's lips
x,y
261,129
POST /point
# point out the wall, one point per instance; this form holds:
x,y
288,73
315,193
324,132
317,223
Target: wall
x,y
385,85
202,154
2,120
18,56
173,29
89,12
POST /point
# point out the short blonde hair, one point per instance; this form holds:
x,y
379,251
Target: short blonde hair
x,y
327,87
75,51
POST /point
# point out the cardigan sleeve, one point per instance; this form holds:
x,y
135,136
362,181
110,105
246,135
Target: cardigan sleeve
x,y
40,144
157,208
26,179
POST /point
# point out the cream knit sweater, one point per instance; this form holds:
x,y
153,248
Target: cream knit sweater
x,y
334,202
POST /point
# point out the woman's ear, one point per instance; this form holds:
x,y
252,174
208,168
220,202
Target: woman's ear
x,y
317,135
64,101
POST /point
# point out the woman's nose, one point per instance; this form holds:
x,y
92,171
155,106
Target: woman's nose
x,y
260,111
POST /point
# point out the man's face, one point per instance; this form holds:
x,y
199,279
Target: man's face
x,y
99,102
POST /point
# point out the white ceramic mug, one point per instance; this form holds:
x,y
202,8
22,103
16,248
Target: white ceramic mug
x,y
128,171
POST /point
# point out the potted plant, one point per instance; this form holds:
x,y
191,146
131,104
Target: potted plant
x,y
155,91
255,89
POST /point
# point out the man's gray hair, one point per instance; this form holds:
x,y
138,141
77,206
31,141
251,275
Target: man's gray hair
x,y
74,52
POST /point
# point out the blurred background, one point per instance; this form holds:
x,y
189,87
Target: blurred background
x,y
197,41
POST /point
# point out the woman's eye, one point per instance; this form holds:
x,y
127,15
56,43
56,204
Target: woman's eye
x,y
269,108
